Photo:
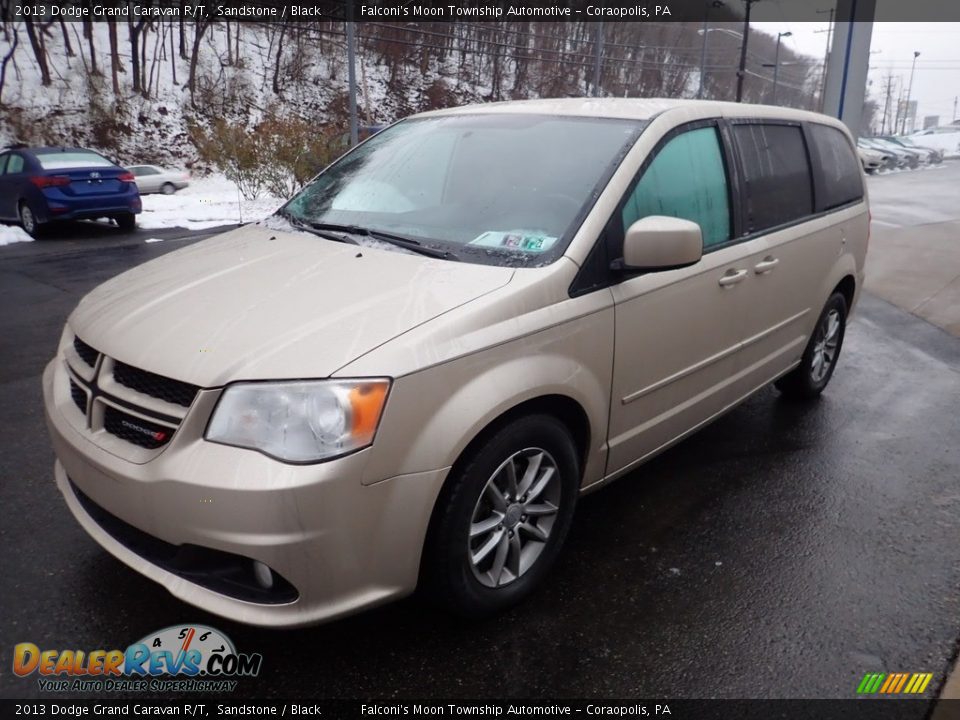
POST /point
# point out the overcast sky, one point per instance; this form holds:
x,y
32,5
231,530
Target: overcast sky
x,y
936,82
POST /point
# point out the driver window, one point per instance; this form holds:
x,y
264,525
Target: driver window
x,y
687,180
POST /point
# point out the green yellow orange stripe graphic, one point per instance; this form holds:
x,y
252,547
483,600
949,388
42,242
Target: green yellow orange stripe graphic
x,y
894,683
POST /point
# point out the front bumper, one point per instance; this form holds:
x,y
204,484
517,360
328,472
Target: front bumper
x,y
342,545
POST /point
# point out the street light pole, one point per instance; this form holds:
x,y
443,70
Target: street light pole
x,y
703,49
352,74
597,58
703,54
742,72
906,107
776,64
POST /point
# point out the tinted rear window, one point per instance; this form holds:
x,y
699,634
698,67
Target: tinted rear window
x,y
776,172
77,159
842,181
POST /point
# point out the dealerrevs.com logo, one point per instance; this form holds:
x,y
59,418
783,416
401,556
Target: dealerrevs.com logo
x,y
180,658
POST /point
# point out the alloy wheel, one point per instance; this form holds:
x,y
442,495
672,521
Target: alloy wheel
x,y
825,346
27,219
513,518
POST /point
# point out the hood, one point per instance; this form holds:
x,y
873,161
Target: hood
x,y
257,303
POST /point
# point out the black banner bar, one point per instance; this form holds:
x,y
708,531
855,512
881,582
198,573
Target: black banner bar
x,y
872,708
462,10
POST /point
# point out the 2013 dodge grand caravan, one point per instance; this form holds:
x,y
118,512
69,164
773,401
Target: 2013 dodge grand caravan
x,y
408,375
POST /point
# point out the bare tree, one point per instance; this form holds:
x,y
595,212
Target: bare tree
x,y
115,67
39,51
6,58
134,30
88,34
66,40
173,56
199,28
183,40
276,67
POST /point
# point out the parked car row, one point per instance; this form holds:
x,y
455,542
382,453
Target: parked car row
x,y
43,185
895,153
945,138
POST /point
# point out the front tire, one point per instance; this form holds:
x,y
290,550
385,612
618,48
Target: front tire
x,y
168,189
810,377
502,517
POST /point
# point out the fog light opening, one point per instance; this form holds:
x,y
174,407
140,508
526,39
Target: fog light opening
x,y
263,575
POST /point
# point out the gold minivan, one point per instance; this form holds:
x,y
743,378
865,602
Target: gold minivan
x,y
405,378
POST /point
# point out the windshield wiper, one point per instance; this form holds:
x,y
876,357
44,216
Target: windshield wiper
x,y
403,241
320,231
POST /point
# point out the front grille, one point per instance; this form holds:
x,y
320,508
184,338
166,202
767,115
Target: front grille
x,y
158,386
79,397
86,353
216,570
135,430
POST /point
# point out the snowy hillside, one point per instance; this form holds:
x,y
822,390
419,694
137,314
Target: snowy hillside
x,y
79,107
220,95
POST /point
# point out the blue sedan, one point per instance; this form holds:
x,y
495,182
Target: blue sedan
x,y
40,185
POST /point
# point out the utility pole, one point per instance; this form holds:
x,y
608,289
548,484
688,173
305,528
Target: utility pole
x,y
955,107
742,72
597,58
352,73
826,55
776,64
906,109
900,108
886,105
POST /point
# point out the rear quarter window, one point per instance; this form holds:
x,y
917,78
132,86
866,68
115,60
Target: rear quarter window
x,y
841,175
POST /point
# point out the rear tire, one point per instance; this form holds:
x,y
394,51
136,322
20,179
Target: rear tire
x,y
28,221
126,222
168,189
810,377
502,518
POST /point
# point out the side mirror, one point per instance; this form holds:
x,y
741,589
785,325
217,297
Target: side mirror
x,y
658,242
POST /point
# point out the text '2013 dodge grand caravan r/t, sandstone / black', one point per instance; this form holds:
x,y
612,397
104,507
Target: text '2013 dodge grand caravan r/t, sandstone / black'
x,y
408,375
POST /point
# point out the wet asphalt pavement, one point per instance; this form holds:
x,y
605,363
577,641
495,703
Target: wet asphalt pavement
x,y
783,551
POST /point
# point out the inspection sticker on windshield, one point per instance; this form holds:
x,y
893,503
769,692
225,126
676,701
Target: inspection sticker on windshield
x,y
515,240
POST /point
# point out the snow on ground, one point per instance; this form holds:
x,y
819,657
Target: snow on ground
x,y
205,203
13,234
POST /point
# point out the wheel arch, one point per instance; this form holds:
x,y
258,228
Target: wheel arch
x,y
564,408
848,288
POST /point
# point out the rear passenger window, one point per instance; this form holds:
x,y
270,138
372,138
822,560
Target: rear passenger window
x,y
842,176
14,165
687,179
777,174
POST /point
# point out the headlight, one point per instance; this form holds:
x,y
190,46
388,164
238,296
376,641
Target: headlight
x,y
300,421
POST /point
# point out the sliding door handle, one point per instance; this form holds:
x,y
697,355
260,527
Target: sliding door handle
x,y
732,277
766,265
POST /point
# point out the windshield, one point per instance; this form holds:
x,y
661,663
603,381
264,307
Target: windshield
x,y
497,189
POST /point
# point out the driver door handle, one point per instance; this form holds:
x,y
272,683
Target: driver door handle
x,y
766,265
732,277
